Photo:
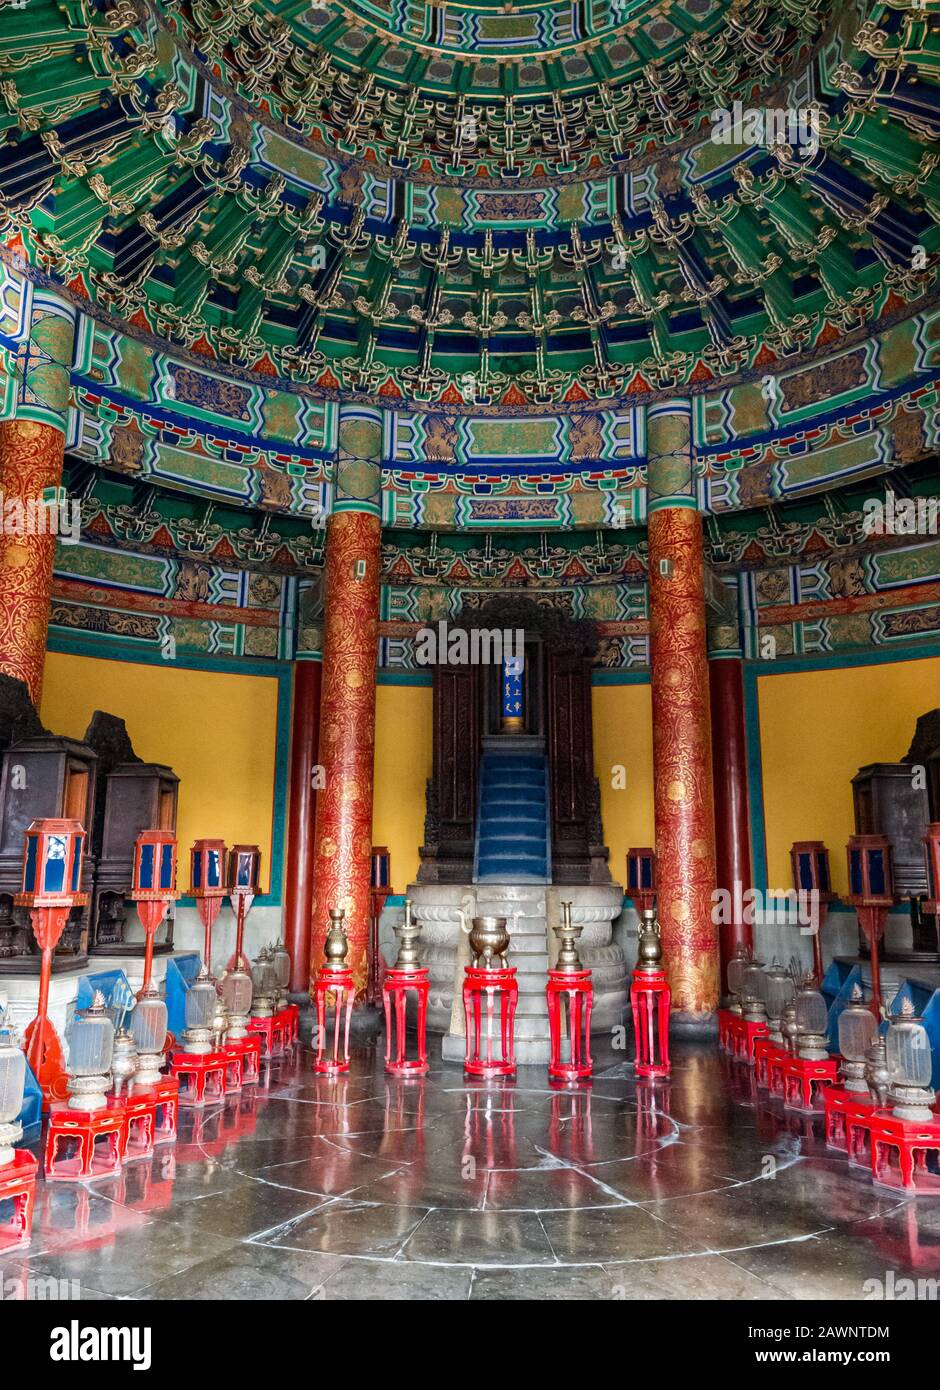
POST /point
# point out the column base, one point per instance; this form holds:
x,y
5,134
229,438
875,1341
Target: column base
x,y
693,1027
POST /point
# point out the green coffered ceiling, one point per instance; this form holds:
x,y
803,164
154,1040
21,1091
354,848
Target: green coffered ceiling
x,y
490,206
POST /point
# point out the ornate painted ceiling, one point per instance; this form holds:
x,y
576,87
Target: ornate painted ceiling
x,y
493,208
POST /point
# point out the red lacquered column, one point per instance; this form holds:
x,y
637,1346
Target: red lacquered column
x,y
732,822
342,873
298,892
682,760
32,450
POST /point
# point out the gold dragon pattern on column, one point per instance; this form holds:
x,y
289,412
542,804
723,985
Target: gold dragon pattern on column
x,y
343,837
30,460
32,449
682,767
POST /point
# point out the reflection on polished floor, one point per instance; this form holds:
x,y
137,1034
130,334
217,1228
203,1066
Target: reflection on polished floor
x,y
368,1187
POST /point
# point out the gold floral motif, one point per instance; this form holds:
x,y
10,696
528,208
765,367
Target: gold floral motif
x,y
31,457
347,722
682,760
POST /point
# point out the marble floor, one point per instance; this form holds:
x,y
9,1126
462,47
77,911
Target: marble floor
x,y
442,1189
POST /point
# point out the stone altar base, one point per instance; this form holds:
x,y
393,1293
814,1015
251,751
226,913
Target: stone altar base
x,y
532,910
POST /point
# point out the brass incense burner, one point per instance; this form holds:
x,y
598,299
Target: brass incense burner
x,y
489,941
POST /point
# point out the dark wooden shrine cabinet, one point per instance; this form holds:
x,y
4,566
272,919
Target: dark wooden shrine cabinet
x,y
43,776
899,800
889,801
131,796
924,752
466,719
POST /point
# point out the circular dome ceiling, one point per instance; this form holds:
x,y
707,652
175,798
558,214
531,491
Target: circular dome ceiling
x,y
501,90
303,192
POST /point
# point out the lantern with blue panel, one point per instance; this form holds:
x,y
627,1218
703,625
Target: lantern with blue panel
x,y
381,869
871,893
52,875
154,886
641,879
810,863
244,883
207,885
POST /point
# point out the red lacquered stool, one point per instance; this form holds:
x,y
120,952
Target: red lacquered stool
x,y
725,1025
905,1154
406,974
493,983
577,992
139,1109
805,1082
249,1049
746,1035
270,1031
165,1095
489,975
776,1062
395,989
650,999
334,979
292,1014
765,1052
95,1136
843,1108
18,1186
569,984
233,1068
734,1035
284,1028
201,1075
905,1139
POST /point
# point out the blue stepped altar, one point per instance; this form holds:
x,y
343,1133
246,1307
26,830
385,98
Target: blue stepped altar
x,y
512,838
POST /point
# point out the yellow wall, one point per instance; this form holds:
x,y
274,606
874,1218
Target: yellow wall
x,y
623,734
817,728
217,731
402,766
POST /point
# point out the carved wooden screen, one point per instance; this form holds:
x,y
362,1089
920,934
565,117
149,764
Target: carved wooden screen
x,y
450,826
577,855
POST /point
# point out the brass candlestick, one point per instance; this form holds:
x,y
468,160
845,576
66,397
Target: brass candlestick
x,y
650,949
568,934
408,933
336,946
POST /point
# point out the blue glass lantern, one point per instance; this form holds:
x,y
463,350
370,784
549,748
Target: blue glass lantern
x,y
381,869
52,865
871,893
870,877
154,865
244,869
207,869
810,862
641,878
154,886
